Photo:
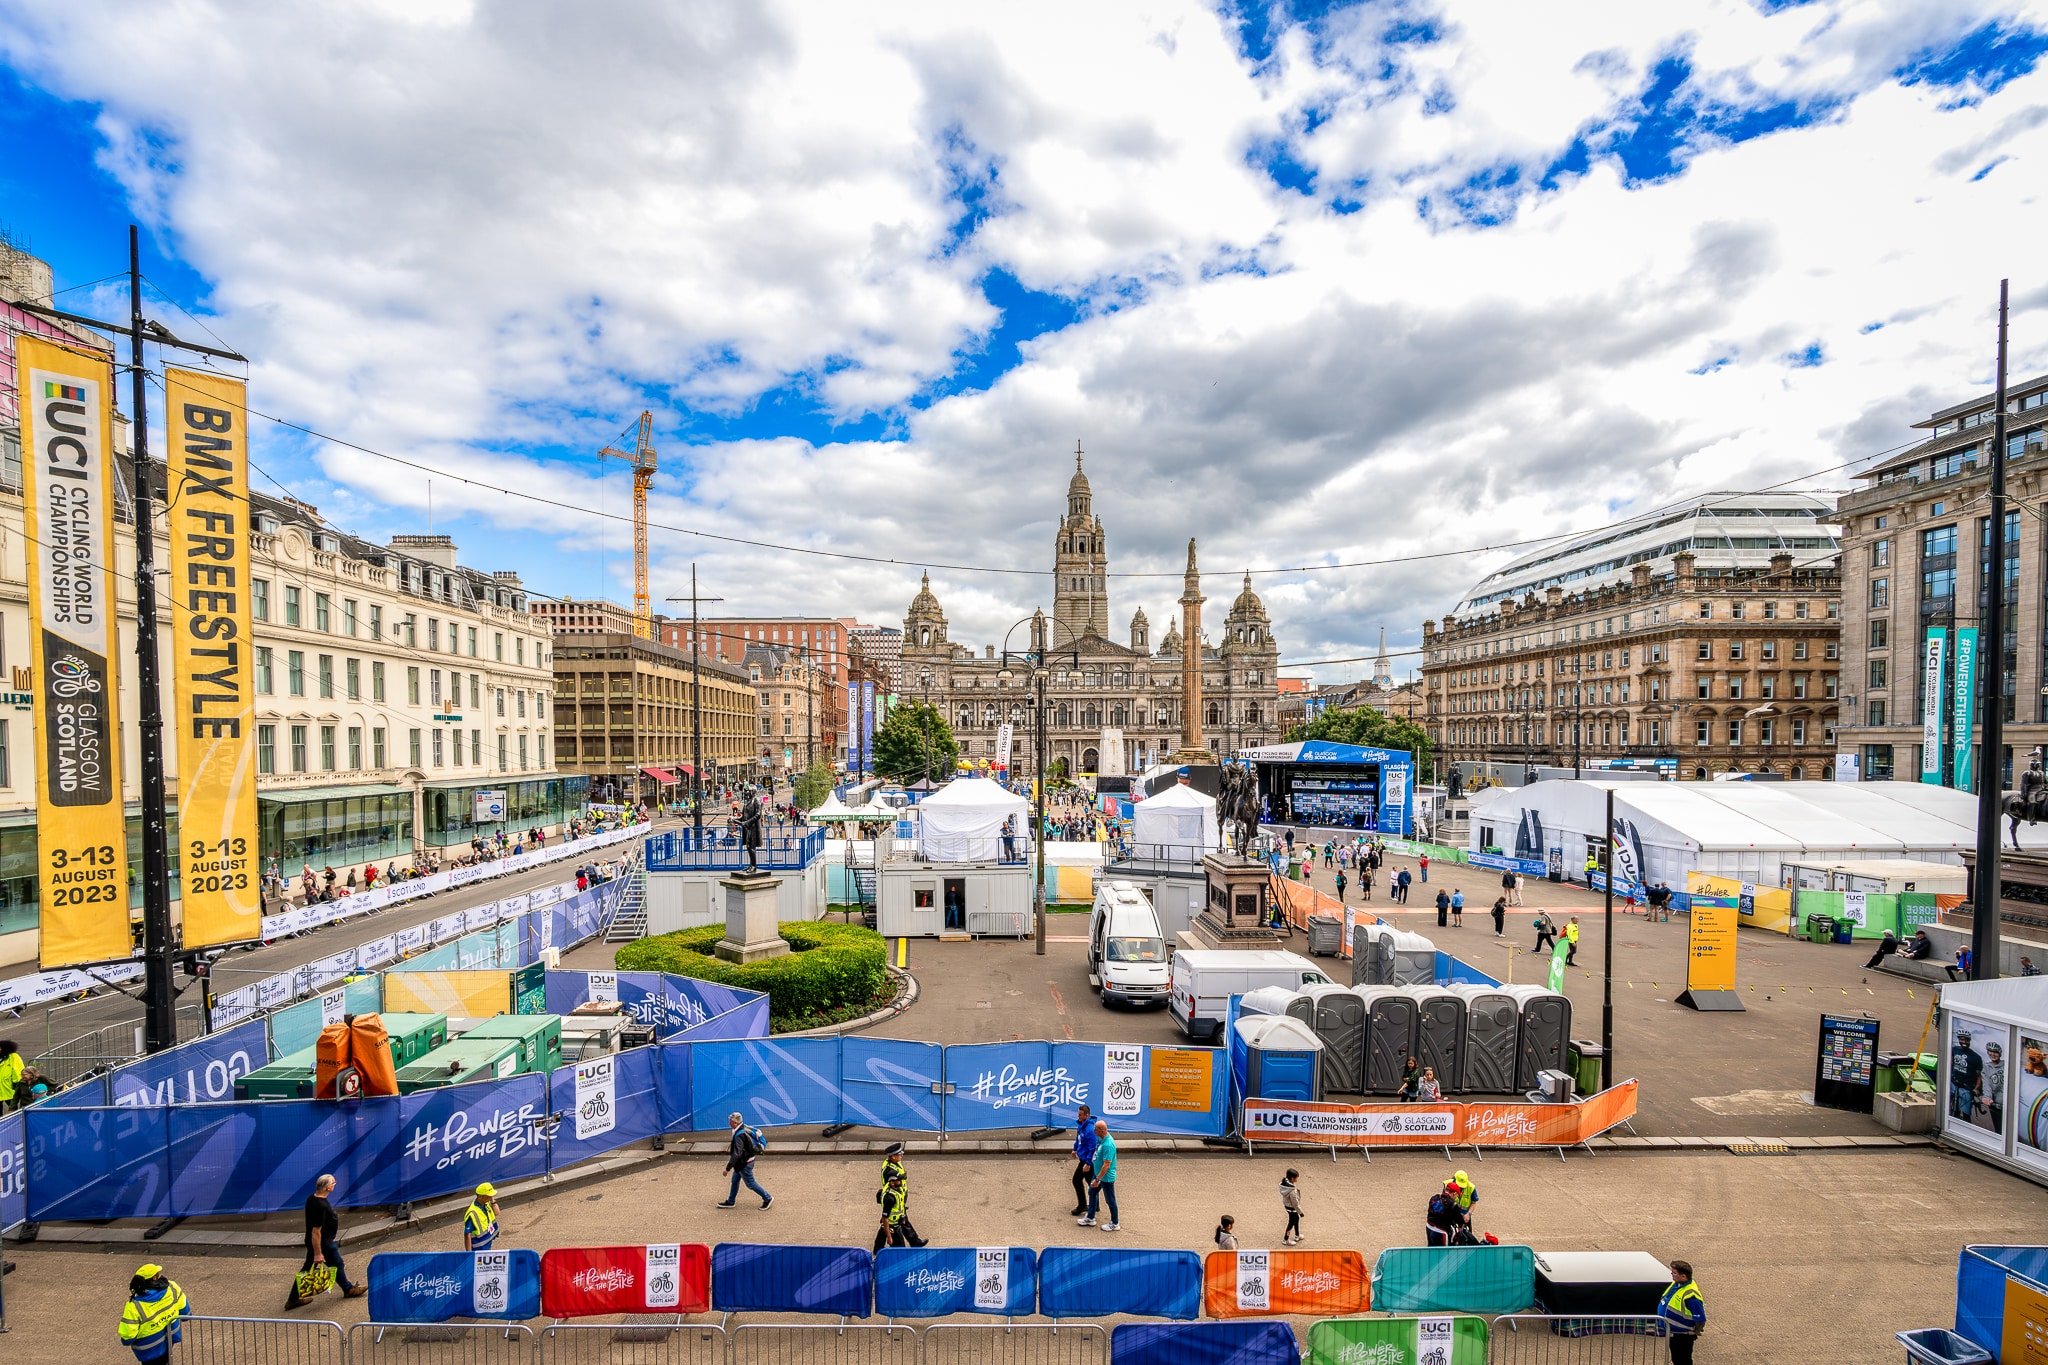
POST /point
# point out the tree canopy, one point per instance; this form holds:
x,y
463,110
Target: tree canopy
x,y
900,748
813,785
1372,727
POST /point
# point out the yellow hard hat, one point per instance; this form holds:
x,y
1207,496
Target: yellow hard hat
x,y
487,1190
150,1271
1462,1178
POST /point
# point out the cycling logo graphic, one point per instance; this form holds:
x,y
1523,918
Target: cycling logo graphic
x,y
1123,1088
596,1094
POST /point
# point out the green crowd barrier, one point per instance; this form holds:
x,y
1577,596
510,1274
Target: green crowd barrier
x,y
1398,1341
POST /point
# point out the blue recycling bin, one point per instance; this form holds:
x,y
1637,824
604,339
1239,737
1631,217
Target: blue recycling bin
x,y
1845,931
1939,1346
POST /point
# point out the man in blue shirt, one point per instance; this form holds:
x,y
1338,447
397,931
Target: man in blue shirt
x,y
1084,1160
1683,1312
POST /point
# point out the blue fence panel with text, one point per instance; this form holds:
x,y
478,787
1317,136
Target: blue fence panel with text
x,y
98,1163
1009,1085
1149,1090
751,1278
205,1069
13,1170
672,1086
262,1156
1205,1343
747,1019
434,1286
1078,1282
633,1108
772,1083
891,1083
455,1138
933,1282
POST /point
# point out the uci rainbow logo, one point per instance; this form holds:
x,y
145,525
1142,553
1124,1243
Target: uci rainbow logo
x,y
74,392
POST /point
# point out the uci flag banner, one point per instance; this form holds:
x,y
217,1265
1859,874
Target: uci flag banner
x,y
207,418
67,466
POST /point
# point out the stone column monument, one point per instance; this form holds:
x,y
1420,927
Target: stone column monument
x,y
1192,749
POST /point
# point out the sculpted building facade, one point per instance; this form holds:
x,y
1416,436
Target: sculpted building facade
x,y
1111,707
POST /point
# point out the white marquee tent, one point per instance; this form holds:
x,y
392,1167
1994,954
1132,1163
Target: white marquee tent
x,y
1179,817
963,821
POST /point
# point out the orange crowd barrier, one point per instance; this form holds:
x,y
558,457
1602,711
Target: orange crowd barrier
x,y
1256,1284
1512,1123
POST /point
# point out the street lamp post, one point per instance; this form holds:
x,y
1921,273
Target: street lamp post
x,y
1041,674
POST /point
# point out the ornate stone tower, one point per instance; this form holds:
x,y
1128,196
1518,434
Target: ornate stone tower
x,y
1383,667
924,628
1141,632
1191,660
1080,599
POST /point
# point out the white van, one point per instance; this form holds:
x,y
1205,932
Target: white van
x,y
1204,979
1126,951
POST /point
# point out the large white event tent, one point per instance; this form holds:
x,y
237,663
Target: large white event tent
x,y
1179,818
963,821
1744,831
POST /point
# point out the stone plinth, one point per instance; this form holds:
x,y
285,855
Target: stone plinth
x,y
1237,904
750,923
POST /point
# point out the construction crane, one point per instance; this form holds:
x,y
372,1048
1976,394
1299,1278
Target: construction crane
x,y
641,457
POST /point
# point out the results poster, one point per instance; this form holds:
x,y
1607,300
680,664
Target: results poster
x,y
68,494
1845,1073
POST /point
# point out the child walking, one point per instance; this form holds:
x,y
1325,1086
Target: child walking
x,y
1226,1234
1290,1200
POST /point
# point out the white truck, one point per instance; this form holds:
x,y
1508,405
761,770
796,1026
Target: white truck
x,y
1126,951
1204,979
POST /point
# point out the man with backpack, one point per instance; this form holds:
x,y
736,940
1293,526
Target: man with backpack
x,y
747,1143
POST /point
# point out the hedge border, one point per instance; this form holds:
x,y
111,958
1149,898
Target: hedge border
x,y
829,966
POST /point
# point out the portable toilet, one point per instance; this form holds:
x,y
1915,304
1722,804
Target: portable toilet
x,y
1267,1000
1545,1027
1414,960
1389,1036
1493,1026
1439,1031
1277,1058
1338,1017
1368,966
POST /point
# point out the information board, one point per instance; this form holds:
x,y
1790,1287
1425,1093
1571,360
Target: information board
x,y
1845,1074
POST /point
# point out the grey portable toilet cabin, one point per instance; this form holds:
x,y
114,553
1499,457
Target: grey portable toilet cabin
x,y
1389,1036
1367,966
1339,1020
1493,1030
1281,1058
1546,1025
1267,1000
1439,1031
1414,960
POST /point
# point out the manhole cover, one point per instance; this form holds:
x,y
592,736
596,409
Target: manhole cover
x,y
1759,1149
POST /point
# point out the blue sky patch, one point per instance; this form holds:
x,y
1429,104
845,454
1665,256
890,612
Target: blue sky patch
x,y
1812,357
1982,61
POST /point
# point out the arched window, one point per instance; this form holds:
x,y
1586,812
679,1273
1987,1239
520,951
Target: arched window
x,y
924,636
966,717
1116,716
988,715
1062,717
1215,714
1251,714
1091,716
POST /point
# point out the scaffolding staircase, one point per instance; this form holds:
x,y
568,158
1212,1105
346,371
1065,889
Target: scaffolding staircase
x,y
629,917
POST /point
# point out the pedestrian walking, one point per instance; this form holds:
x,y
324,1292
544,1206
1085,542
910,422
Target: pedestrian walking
x,y
1225,1235
1571,938
1424,860
895,1205
1443,909
152,1321
1515,895
1102,1185
480,1219
1444,1218
1340,886
1500,916
892,1169
1428,1090
1457,908
1084,1159
323,1250
15,1075
1546,931
746,1146
1411,1080
1401,883
1683,1313
1365,881
1290,1200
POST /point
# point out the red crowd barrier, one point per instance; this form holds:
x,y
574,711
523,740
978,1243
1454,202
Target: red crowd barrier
x,y
586,1282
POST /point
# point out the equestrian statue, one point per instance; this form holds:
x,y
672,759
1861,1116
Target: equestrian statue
x,y
2031,802
1237,807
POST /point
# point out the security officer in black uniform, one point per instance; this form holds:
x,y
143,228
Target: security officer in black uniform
x,y
899,1231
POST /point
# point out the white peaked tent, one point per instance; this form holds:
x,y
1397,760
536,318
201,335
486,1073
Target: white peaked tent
x,y
833,809
1179,817
963,821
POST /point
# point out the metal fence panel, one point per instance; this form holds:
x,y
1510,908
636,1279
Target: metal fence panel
x,y
775,1343
262,1341
1074,1343
641,1339
440,1343
1533,1339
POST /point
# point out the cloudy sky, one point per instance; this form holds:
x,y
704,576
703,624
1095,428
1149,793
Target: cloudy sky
x,y
1385,282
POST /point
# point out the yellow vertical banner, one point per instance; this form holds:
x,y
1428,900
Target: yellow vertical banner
x,y
67,466
206,423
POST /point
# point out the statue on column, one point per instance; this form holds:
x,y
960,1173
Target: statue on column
x,y
749,821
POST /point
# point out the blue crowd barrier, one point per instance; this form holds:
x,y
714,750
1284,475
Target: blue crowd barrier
x,y
1204,1343
1010,1085
891,1083
933,1282
1481,1279
13,1170
1981,1273
434,1286
674,1006
262,1156
772,1083
1098,1282
749,1277
673,1088
747,1018
98,1163
456,1138
635,1108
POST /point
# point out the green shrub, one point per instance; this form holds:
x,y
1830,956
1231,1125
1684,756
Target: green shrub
x,y
829,968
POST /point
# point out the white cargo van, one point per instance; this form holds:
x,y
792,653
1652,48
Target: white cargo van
x,y
1126,951
1204,979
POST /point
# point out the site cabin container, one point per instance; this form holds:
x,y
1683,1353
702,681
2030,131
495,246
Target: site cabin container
x,y
1439,1032
1493,1029
916,899
1390,1016
539,1037
1126,951
1277,1058
464,1059
292,1077
1877,876
1204,979
1541,1033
